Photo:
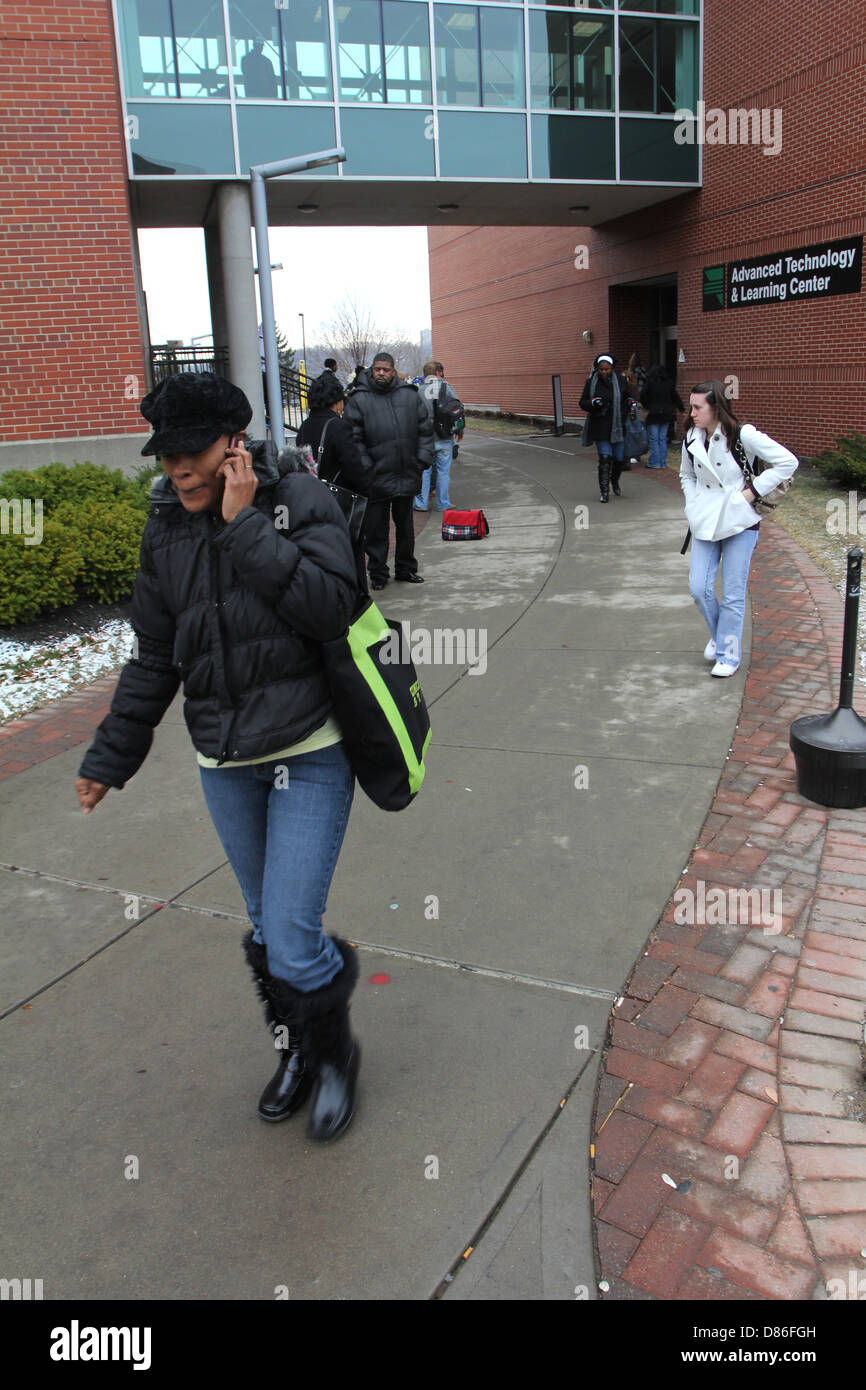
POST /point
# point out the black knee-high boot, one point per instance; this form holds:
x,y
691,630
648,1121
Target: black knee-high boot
x,y
615,472
330,1053
604,478
292,1081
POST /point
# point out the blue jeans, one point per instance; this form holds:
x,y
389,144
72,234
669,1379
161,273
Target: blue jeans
x,y
606,450
658,445
281,825
444,454
725,619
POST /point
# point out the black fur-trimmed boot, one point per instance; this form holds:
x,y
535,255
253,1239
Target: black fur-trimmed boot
x,y
292,1081
604,479
330,1053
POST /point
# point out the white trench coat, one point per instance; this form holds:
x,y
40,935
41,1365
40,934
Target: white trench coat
x,y
713,481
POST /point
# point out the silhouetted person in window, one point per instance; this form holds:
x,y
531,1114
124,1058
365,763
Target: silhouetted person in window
x,y
260,80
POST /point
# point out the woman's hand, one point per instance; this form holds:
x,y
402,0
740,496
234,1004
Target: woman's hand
x,y
89,793
240,480
750,495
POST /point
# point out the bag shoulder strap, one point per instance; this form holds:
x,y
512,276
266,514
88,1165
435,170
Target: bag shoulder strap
x,y
321,448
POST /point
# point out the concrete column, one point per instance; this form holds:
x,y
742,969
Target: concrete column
x,y
216,288
233,210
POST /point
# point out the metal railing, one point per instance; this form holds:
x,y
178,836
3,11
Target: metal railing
x,y
168,361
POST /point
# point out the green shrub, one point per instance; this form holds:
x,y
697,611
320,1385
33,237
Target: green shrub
x,y
846,464
38,578
108,538
92,520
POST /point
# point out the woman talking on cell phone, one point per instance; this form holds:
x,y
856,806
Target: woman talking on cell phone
x,y
246,568
722,518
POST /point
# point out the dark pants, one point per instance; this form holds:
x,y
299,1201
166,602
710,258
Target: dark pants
x,y
376,527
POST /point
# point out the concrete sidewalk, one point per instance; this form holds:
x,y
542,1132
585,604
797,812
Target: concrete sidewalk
x,y
497,921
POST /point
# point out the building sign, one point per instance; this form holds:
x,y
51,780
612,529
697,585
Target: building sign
x,y
812,272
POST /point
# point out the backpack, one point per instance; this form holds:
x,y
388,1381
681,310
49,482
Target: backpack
x,y
448,416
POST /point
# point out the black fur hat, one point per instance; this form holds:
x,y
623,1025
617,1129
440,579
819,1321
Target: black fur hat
x,y
190,411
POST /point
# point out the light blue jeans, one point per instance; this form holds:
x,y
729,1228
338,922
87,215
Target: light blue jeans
x,y
281,825
444,454
658,445
725,619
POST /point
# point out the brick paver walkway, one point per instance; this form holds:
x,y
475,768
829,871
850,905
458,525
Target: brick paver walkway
x,y
730,1143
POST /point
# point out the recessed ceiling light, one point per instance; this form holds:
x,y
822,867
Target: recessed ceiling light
x,y
448,207
579,207
308,207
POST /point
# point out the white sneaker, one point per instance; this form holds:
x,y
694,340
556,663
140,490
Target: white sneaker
x,y
722,668
710,650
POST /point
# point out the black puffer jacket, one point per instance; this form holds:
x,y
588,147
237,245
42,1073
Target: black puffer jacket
x,y
341,457
237,612
394,431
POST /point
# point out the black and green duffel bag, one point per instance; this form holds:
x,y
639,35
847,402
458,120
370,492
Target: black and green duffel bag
x,y
379,706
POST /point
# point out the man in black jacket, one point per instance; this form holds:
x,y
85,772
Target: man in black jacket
x,y
394,432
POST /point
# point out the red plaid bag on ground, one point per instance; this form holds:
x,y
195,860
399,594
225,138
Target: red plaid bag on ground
x,y
464,526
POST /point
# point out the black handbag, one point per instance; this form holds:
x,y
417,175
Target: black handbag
x,y
379,706
351,504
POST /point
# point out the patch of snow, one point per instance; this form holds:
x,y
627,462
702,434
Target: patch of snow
x,y
33,673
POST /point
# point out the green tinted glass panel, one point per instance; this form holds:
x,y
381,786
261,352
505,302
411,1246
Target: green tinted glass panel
x,y
648,152
268,133
147,48
392,143
200,44
172,138
573,147
482,146
571,61
359,51
407,52
458,56
658,65
662,6
501,58
281,52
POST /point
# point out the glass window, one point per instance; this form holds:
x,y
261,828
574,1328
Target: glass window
x,y
267,133
648,151
393,143
173,139
502,58
383,50
479,56
573,147
407,52
482,146
200,46
147,48
458,58
662,6
571,61
281,53
658,62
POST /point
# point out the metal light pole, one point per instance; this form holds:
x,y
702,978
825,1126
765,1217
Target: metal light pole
x,y
303,343
258,174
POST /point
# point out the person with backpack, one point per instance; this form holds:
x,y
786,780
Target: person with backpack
x,y
718,479
246,570
448,425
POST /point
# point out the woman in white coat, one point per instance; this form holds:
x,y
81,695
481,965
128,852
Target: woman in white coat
x,y
719,510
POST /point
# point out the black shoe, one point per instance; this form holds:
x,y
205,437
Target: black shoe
x,y
378,583
604,497
616,490
292,1082
330,1053
408,579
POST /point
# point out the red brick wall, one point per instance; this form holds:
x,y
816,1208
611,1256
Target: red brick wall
x,y
69,330
509,306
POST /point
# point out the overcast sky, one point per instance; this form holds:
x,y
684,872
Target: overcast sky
x,y
384,267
